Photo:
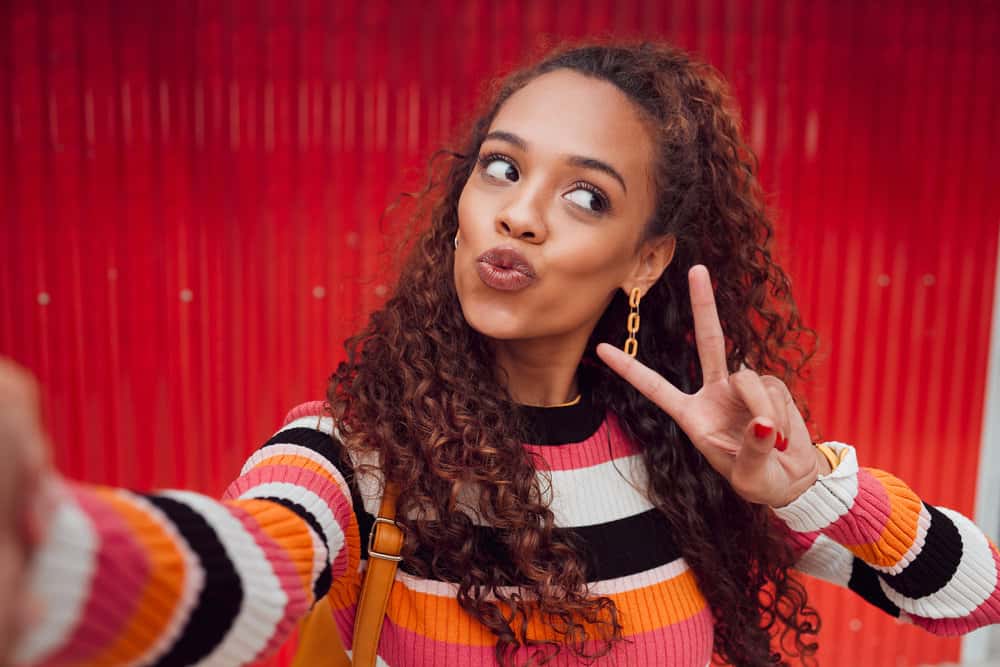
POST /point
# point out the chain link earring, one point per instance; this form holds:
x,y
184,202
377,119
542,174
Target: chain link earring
x,y
632,345
456,240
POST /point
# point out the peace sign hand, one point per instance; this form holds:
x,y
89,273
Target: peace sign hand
x,y
738,422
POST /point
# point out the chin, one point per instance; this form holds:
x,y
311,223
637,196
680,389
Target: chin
x,y
491,321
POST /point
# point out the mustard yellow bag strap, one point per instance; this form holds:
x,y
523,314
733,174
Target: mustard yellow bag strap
x,y
385,543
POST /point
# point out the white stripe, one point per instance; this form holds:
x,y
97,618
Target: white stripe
x,y
828,499
321,557
970,586
324,424
923,523
264,600
605,492
311,502
827,560
272,451
193,584
60,576
599,494
444,589
288,449
629,582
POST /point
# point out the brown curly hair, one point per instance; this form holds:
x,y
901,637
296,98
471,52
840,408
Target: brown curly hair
x,y
418,388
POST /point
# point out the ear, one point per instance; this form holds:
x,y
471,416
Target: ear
x,y
653,258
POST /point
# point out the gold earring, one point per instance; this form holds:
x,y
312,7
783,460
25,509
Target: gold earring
x,y
632,345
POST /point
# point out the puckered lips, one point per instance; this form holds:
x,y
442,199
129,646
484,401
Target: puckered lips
x,y
504,268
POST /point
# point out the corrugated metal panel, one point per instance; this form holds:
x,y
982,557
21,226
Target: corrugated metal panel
x,y
191,193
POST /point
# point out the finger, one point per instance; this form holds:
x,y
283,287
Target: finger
x,y
761,434
18,389
650,384
780,398
750,389
707,329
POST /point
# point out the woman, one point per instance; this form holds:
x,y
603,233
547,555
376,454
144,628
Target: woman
x,y
561,500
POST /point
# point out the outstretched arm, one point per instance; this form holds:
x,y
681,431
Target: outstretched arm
x,y
176,577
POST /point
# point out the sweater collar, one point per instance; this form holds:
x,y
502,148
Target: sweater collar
x,y
564,424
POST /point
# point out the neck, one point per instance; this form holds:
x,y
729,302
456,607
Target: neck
x,y
541,372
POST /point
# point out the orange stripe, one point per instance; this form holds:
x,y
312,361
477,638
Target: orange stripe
x,y
161,594
288,530
345,591
440,618
300,462
900,530
294,460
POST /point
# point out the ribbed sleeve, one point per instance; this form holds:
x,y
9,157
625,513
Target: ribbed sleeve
x,y
867,530
178,578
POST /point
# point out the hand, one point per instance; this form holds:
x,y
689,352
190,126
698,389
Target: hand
x,y
22,473
735,420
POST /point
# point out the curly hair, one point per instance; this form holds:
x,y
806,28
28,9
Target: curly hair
x,y
418,390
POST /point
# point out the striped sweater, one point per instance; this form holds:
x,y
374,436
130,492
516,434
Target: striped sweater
x,y
177,578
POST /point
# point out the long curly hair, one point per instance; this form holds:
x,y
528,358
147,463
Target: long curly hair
x,y
418,390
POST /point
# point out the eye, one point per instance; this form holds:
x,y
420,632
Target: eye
x,y
500,167
588,197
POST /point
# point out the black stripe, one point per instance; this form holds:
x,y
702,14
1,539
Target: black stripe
x,y
936,563
221,595
322,583
310,438
610,550
324,445
864,582
628,546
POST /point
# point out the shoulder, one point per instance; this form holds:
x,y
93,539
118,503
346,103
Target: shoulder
x,y
314,409
360,469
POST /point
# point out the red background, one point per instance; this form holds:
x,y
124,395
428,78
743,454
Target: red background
x,y
190,194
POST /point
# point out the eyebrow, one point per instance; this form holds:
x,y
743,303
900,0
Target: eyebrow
x,y
575,160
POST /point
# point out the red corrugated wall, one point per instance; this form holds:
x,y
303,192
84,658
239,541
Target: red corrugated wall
x,y
190,194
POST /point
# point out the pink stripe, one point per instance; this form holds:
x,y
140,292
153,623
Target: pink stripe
x,y
586,453
800,542
344,618
874,499
287,574
309,409
684,644
338,568
331,493
985,614
122,570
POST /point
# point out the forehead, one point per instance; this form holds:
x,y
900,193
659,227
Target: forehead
x,y
565,112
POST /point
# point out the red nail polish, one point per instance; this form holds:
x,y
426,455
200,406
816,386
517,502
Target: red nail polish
x,y
781,442
762,430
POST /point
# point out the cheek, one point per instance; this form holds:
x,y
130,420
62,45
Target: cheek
x,y
466,208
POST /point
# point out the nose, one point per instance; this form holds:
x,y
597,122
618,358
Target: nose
x,y
522,219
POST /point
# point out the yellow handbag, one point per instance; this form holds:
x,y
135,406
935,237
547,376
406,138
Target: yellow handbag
x,y
320,644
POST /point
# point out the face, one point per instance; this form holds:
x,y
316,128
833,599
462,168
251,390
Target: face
x,y
564,178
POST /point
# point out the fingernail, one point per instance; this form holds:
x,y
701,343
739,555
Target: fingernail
x,y
762,430
781,442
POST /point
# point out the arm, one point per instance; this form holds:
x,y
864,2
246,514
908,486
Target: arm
x,y
867,530
177,577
